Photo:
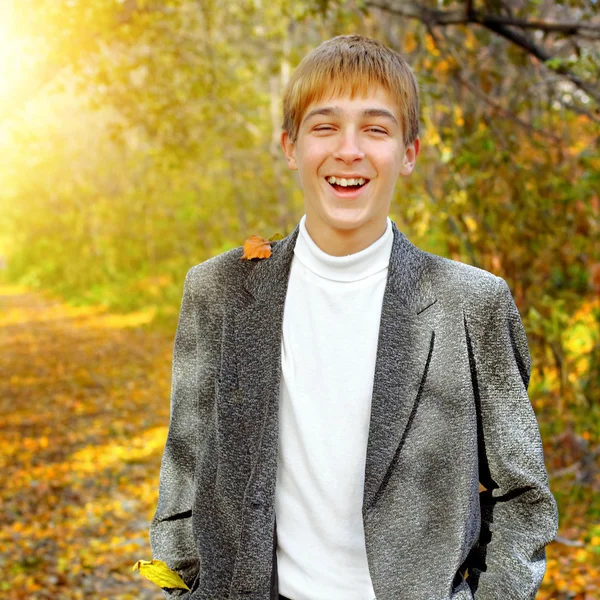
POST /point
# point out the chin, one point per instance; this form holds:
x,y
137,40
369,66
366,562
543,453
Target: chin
x,y
346,224
346,218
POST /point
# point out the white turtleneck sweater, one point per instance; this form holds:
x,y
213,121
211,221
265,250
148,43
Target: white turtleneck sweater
x,y
329,344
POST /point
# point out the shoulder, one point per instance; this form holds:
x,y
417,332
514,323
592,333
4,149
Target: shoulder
x,y
485,300
220,275
464,285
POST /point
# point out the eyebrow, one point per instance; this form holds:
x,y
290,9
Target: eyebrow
x,y
329,111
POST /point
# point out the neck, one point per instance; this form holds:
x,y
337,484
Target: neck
x,y
342,242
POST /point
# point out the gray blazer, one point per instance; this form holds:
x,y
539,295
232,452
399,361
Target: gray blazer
x,y
449,410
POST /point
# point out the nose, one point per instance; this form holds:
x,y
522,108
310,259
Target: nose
x,y
348,148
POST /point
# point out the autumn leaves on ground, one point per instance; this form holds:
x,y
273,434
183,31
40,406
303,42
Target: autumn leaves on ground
x,y
84,419
84,416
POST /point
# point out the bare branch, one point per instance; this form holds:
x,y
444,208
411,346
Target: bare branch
x,y
579,110
505,112
429,16
498,24
458,16
567,28
483,96
533,49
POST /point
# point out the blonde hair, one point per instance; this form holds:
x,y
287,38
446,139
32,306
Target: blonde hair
x,y
351,63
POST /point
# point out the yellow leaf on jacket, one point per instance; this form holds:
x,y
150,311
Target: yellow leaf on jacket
x,y
159,573
256,247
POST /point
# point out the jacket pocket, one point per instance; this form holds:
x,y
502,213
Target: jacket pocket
x,y
173,516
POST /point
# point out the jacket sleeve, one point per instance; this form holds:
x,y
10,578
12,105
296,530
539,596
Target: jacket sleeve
x,y
171,536
519,515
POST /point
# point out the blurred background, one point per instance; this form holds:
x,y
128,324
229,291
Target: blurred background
x,y
141,137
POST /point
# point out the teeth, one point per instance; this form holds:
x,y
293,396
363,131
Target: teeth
x,y
345,182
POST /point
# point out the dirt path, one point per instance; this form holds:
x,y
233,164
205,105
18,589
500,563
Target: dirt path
x,y
83,418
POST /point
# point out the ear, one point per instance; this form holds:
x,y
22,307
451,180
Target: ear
x,y
410,158
289,150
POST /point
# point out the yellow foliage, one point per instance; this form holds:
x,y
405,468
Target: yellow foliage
x,y
442,68
458,197
471,42
471,223
159,573
430,45
580,337
12,289
136,449
433,137
132,319
458,115
409,43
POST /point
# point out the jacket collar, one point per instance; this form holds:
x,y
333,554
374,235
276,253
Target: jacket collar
x,y
404,273
406,338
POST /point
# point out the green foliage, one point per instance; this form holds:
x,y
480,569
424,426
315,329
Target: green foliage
x,y
155,146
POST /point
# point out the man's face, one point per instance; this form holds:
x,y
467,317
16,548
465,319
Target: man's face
x,y
357,139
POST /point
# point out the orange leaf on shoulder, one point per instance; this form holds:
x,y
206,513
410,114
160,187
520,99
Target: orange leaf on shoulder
x,y
256,247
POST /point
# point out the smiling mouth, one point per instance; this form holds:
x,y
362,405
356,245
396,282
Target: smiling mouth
x,y
346,185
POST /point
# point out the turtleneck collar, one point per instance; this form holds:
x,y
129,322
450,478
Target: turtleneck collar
x,y
353,267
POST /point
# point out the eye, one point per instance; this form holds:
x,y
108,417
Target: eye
x,y
376,130
323,128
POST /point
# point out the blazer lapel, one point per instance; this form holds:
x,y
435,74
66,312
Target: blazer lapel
x,y
258,330
405,343
404,348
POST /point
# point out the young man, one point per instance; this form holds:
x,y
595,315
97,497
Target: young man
x,y
335,406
